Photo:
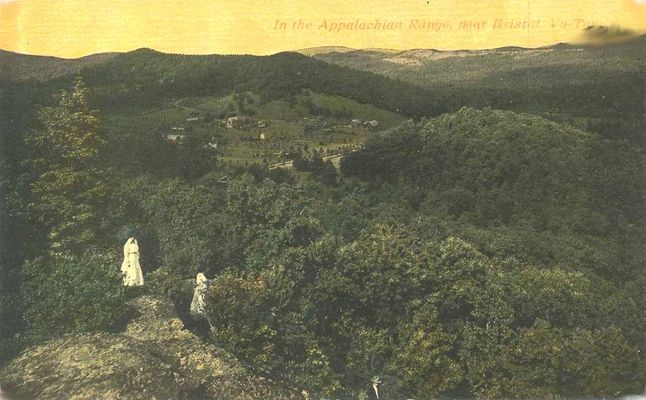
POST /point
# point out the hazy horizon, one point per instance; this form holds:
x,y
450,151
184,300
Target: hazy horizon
x,y
74,28
325,46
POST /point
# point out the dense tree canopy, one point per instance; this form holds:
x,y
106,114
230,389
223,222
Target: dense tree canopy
x,y
145,77
481,253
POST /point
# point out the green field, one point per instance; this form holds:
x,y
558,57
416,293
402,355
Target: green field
x,y
309,123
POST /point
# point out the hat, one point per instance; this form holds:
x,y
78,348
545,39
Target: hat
x,y
200,278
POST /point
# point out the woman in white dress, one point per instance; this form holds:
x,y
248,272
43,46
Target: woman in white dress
x,y
198,305
130,268
199,322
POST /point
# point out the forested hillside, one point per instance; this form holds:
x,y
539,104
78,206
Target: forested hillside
x,y
469,252
599,87
22,67
145,77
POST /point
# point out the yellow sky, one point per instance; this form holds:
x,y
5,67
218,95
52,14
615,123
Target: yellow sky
x,y
72,28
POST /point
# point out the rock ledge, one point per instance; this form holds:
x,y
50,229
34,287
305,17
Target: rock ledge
x,y
155,358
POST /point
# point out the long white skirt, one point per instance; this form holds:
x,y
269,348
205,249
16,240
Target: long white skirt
x,y
131,270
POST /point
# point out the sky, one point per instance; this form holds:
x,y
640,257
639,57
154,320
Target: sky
x,y
74,28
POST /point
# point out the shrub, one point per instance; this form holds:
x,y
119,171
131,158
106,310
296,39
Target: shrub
x,y
67,294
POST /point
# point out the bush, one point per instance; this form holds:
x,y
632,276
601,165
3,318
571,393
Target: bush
x,y
67,294
164,282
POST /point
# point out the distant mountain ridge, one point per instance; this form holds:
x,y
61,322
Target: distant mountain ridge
x,y
17,66
561,80
418,56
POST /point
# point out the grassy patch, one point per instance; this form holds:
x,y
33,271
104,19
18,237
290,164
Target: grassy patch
x,y
310,123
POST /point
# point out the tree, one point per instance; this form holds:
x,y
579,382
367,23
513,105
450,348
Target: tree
x,y
69,187
426,358
15,117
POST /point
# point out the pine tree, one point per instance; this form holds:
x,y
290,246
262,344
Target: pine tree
x,y
69,188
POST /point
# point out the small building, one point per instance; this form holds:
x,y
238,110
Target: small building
x,y
235,122
192,119
175,138
262,136
229,122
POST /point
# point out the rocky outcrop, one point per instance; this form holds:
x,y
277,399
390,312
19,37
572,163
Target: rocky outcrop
x,y
155,358
97,366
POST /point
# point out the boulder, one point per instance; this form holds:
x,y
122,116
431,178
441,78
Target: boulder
x,y
99,366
